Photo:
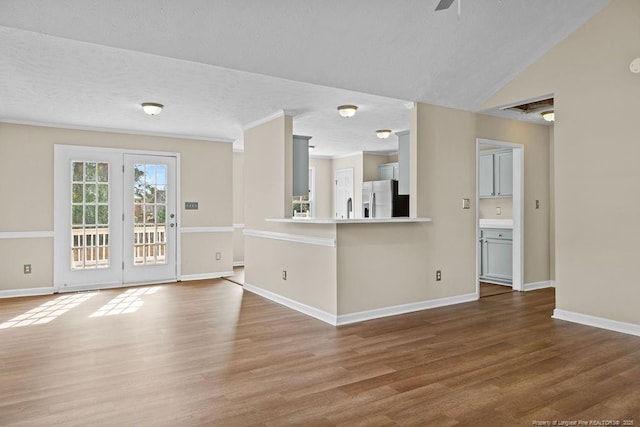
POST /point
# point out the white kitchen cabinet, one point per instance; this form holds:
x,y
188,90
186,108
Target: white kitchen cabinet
x,y
496,174
388,171
496,254
486,175
503,173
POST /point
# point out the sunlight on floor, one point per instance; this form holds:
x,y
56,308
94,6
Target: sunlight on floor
x,y
48,311
127,302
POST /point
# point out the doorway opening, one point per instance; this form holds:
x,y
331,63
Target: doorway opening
x,y
499,217
344,199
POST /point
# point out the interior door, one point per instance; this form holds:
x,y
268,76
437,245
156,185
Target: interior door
x,y
87,219
150,222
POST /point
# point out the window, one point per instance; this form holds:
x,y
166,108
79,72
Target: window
x,y
150,212
89,215
303,206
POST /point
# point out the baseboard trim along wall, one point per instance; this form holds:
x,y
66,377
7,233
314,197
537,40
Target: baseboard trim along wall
x,y
238,263
318,241
539,285
25,234
204,276
395,310
29,292
294,305
361,316
598,322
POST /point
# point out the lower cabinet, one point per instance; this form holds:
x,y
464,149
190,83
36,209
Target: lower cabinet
x,y
496,255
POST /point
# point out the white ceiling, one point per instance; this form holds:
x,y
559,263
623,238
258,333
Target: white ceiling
x,y
221,65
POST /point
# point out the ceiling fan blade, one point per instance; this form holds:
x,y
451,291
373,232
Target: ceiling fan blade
x,y
444,4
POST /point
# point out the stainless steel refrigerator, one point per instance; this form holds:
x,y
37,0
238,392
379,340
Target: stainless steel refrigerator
x,y
380,200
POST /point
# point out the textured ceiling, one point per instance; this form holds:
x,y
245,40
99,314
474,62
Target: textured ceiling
x,y
220,65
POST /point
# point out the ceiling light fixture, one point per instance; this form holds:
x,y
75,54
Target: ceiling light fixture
x,y
549,116
347,110
383,133
634,67
152,108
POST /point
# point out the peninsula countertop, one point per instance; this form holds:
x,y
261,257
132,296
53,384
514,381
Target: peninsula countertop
x,y
349,220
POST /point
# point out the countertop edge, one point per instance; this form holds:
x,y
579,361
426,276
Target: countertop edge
x,y
395,220
496,223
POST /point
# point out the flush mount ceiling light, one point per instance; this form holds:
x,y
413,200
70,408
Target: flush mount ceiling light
x,y
152,108
347,110
549,116
635,66
383,133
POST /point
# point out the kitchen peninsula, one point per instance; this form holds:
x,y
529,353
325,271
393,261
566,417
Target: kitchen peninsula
x,y
325,267
345,270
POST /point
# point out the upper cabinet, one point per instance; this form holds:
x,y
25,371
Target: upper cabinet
x,y
496,174
301,165
388,171
403,162
503,172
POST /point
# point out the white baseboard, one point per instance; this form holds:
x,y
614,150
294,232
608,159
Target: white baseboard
x,y
361,316
238,263
345,319
539,285
29,292
294,305
598,322
204,276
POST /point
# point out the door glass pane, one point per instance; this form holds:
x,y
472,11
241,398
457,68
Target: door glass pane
x,y
149,208
89,215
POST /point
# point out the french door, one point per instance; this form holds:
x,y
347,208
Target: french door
x,y
149,219
115,218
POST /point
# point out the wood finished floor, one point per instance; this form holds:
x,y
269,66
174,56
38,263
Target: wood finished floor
x,y
489,289
205,353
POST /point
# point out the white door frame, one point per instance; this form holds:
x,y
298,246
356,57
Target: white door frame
x,y
60,212
518,211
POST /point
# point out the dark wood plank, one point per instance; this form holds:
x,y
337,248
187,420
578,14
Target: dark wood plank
x,y
206,353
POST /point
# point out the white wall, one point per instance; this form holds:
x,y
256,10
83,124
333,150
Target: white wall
x,y
26,189
238,208
596,154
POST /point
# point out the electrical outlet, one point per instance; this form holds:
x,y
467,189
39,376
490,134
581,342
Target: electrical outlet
x,y
218,256
498,210
438,275
466,204
284,274
27,269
